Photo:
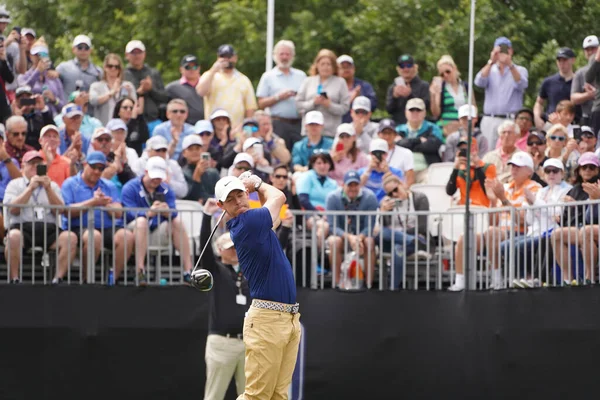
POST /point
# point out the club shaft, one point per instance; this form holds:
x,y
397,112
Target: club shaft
x,y
208,242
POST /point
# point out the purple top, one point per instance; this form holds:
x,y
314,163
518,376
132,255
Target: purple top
x,y
502,94
32,78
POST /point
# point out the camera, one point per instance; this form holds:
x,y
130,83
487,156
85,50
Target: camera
x,y
504,48
26,102
324,94
462,153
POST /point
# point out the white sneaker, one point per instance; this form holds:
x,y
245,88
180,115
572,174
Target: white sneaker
x,y
497,284
456,288
519,283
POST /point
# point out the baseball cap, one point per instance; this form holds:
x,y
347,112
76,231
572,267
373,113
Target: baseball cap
x,y
350,177
95,157
345,128
587,129
32,154
465,140
361,103
502,40
538,135
250,121
101,132
224,241
28,31
251,141
188,59
565,52
345,58
133,45
243,157
115,124
588,158
219,112
82,39
227,185
406,58
157,168
521,159
378,145
4,14
203,126
591,41
415,103
463,111
23,90
157,142
191,140
314,117
386,123
48,128
554,162
71,110
225,50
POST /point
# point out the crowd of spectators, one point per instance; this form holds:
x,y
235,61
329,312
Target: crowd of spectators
x,y
113,135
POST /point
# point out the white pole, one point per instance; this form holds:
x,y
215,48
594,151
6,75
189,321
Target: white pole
x,y
270,33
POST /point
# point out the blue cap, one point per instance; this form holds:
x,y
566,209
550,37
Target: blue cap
x,y
115,124
203,126
502,40
386,123
96,157
350,177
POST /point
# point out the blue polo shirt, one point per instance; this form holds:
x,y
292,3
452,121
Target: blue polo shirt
x,y
375,182
5,177
302,150
75,190
261,257
315,187
554,89
275,81
164,130
135,196
65,142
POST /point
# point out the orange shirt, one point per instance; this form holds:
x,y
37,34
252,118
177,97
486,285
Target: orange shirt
x,y
477,194
60,168
517,198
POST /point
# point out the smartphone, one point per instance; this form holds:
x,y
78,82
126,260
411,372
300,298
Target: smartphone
x,y
462,153
399,81
159,197
378,155
26,102
324,94
260,152
577,132
339,146
41,170
504,48
397,203
205,156
18,29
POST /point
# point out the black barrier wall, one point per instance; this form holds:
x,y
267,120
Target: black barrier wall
x,y
148,343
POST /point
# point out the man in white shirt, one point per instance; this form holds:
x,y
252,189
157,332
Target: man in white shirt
x,y
398,157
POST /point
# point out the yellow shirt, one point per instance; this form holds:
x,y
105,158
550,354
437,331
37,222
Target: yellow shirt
x,y
234,94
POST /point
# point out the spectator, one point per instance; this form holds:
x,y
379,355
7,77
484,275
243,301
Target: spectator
x,y
88,123
592,76
356,87
185,88
313,141
150,226
252,145
281,180
8,77
223,86
200,177
524,118
149,84
587,142
563,148
36,116
243,162
71,138
324,91
422,137
79,73
105,93
89,190
364,128
175,129
508,132
29,35
504,84
16,53
371,177
564,115
118,129
59,168
40,81
314,185
345,154
274,144
555,88
206,131
118,170
448,93
35,223
126,109
583,93
277,89
223,135
16,130
478,170
355,229
398,157
9,170
536,148
463,130
403,232
406,86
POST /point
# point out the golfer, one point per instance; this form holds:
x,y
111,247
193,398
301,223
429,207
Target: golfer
x,y
272,326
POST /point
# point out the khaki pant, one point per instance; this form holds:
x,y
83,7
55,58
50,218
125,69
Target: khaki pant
x,y
272,340
224,358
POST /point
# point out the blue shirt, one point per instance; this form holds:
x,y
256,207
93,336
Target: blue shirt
x,y
164,130
135,196
88,124
275,81
309,183
554,89
5,177
75,190
338,201
375,182
65,142
502,94
366,89
407,132
302,150
261,257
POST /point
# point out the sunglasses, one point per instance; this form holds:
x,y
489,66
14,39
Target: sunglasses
x,y
444,73
591,167
243,168
524,118
205,133
178,111
98,167
16,134
104,139
280,176
552,171
113,66
160,150
391,192
587,135
83,47
405,65
559,138
361,112
414,110
534,144
250,128
127,108
344,136
190,67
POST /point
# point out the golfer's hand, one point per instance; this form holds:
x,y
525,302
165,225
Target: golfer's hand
x,y
250,181
210,206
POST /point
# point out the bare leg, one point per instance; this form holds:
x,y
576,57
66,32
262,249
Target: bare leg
x,y
14,254
124,243
141,243
182,244
97,249
369,244
561,246
493,237
67,250
588,240
336,244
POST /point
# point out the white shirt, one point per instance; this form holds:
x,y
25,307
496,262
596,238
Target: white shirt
x,y
176,178
39,197
541,220
401,158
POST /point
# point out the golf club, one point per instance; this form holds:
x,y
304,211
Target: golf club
x,y
202,279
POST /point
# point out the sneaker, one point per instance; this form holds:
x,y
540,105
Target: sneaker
x,y
498,284
519,283
57,281
142,278
588,282
187,278
456,288
15,281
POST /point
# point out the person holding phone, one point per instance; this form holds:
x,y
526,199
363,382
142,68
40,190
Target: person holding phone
x,y
406,85
33,108
345,154
200,177
7,76
59,167
371,176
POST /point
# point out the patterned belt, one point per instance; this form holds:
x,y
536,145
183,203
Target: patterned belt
x,y
271,305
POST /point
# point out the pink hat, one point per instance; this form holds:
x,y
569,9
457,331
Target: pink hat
x,y
588,158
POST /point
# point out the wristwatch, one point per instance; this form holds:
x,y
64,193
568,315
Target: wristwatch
x,y
257,185
505,202
7,160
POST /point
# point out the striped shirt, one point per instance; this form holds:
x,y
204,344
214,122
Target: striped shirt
x,y
451,102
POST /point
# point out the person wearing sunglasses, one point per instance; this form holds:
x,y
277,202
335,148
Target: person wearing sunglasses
x,y
406,85
105,93
185,88
200,177
274,144
561,146
175,129
536,148
16,131
356,87
80,72
129,111
117,168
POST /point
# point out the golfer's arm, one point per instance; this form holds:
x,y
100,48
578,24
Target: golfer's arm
x,y
271,198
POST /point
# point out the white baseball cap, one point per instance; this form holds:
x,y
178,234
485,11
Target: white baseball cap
x,y
227,185
345,58
251,141
224,241
157,142
133,45
101,132
521,159
191,140
48,128
415,103
463,111
157,168
219,112
314,117
345,128
591,41
362,103
243,157
82,39
379,145
554,162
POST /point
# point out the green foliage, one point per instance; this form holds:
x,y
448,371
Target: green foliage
x,y
374,32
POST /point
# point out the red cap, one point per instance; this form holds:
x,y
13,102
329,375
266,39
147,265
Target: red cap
x,y
30,155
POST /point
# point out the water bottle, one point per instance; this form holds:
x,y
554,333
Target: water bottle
x,y
111,277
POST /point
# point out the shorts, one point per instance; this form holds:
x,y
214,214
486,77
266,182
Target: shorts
x,y
38,234
159,235
106,233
